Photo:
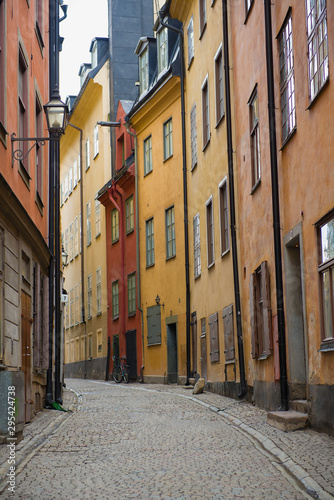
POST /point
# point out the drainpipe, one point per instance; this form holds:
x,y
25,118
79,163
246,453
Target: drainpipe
x,y
185,195
119,207
276,212
127,126
243,383
82,247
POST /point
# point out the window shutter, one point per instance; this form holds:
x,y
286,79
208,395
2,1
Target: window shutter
x,y
228,333
252,303
214,338
45,320
267,321
153,325
37,315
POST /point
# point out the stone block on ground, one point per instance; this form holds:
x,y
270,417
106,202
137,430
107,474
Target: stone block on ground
x,y
199,386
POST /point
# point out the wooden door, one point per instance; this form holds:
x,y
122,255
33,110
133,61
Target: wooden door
x,y
26,321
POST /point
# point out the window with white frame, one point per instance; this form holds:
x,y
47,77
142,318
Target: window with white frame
x,y
115,300
72,307
66,241
96,141
114,225
129,215
89,223
162,43
87,154
76,236
223,215
202,16
317,42
71,256
79,168
197,247
131,294
70,181
143,70
148,164
150,242
77,305
287,79
205,112
210,232
75,173
66,187
23,82
170,232
97,218
260,312
168,138
326,280
94,55
190,38
193,136
39,153
254,137
219,84
89,296
98,291
248,5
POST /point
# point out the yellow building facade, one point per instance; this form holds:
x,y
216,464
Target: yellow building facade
x,y
85,166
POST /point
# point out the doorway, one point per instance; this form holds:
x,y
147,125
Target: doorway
x,y
171,353
193,367
295,312
131,352
26,321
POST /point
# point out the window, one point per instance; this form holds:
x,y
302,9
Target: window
x,y
210,232
197,247
23,103
90,346
76,236
193,137
98,292
114,225
39,149
254,138
170,233
129,215
317,41
96,141
153,325
132,294
87,155
79,167
219,85
97,218
70,181
75,173
260,312
190,35
76,305
94,55
148,165
150,242
228,333
80,232
326,278
71,255
168,139
162,49
67,316
202,16
143,71
66,241
205,112
72,307
287,80
115,300
214,338
39,21
99,342
2,69
66,187
224,223
89,226
248,5
89,294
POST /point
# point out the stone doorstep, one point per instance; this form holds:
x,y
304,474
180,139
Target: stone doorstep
x,y
300,405
287,420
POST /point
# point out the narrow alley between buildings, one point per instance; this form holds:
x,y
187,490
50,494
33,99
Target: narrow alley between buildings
x,y
157,442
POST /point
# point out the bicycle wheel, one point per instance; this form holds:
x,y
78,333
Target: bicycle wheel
x,y
126,375
117,374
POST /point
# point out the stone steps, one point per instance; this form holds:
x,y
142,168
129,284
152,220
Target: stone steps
x,y
290,420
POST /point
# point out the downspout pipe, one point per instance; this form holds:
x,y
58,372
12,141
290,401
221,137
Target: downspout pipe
x,y
111,192
185,188
127,127
82,247
243,383
276,210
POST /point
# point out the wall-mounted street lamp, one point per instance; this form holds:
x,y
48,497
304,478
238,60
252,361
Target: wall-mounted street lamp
x,y
157,299
55,111
64,257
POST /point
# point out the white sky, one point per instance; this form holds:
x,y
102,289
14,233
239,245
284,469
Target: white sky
x,y
86,19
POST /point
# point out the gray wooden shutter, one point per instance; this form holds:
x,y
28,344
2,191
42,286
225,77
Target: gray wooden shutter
x,y
45,323
228,333
37,316
153,325
267,321
214,338
252,304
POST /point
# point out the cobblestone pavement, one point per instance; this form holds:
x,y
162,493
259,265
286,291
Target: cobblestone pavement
x,y
162,442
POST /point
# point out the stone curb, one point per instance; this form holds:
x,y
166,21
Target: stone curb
x,y
27,451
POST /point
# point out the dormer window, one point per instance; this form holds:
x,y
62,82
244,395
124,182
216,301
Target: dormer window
x,y
143,71
162,49
94,55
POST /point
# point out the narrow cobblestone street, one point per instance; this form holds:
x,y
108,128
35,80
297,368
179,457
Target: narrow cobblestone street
x,y
157,442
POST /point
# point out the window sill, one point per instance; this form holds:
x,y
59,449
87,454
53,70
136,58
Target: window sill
x,y
206,144
225,253
219,120
97,154
327,346
288,138
193,166
99,313
115,318
3,134
197,277
263,357
148,173
211,265
248,12
168,158
149,265
131,315
97,236
150,345
115,241
190,62
203,31
170,258
130,231
256,185
315,98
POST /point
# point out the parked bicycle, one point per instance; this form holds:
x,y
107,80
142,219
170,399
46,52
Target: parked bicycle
x,y
121,370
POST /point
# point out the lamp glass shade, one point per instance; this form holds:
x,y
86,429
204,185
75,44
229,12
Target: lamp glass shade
x,y
55,115
64,257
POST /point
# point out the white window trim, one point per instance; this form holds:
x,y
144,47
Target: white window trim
x,y
205,83
208,201
221,184
219,51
